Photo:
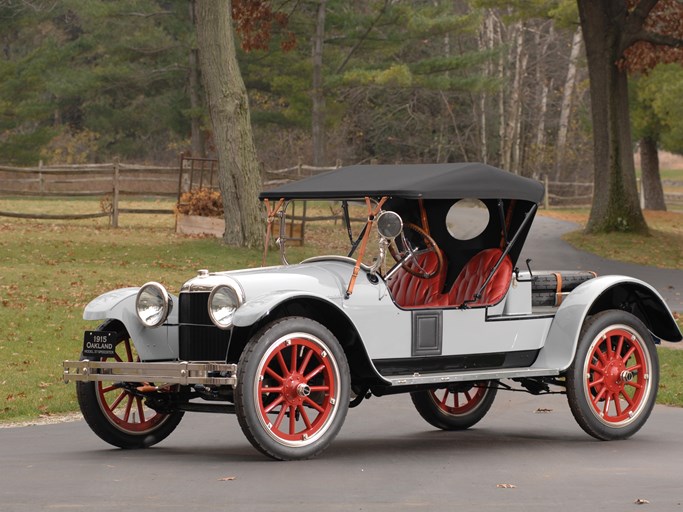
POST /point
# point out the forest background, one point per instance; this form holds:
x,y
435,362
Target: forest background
x,y
383,81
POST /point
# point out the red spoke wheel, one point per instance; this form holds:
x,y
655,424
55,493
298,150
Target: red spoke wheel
x,y
293,389
117,414
612,384
456,407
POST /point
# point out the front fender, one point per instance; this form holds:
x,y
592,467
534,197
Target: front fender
x,y
259,307
152,344
600,294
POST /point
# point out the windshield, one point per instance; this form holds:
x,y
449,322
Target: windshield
x,y
322,228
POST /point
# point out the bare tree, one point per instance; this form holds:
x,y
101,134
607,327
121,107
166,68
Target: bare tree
x,y
567,101
317,96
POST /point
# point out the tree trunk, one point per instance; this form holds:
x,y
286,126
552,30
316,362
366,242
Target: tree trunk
x,y
318,96
503,79
651,180
196,135
543,83
513,119
239,176
485,41
567,100
615,198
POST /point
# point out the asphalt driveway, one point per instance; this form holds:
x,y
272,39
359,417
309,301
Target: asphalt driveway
x,y
527,455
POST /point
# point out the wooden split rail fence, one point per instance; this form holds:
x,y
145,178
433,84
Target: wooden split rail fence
x,y
110,181
580,194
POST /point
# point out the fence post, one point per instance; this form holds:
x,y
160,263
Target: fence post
x,y
546,197
115,199
298,167
41,179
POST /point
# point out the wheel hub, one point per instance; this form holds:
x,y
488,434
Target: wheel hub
x,y
627,376
296,389
615,371
303,390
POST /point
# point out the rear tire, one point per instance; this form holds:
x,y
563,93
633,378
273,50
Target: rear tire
x,y
612,383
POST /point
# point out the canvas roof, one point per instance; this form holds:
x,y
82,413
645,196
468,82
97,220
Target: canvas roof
x,y
412,181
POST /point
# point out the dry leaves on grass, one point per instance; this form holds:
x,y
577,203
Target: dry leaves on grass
x,y
203,202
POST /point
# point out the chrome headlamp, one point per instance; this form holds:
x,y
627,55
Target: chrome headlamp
x,y
223,302
153,304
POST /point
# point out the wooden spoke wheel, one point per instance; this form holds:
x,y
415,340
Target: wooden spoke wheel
x,y
612,383
117,413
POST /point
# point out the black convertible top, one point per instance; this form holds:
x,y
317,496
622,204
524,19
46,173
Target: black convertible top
x,y
412,181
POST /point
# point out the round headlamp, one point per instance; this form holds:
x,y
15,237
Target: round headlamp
x,y
223,302
153,304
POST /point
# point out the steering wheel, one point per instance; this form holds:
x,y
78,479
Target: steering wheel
x,y
406,253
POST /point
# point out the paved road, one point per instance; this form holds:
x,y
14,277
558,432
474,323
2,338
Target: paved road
x,y
386,458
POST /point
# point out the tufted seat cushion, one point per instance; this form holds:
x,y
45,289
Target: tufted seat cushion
x,y
410,291
473,275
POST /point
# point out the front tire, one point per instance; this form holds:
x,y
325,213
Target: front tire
x,y
612,383
456,407
117,414
292,391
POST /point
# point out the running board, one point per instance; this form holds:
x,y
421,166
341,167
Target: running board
x,y
469,376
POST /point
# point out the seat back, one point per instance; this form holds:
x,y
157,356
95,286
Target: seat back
x,y
474,274
410,291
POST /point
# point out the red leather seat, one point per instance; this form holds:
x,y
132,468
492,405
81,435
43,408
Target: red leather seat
x,y
410,291
473,275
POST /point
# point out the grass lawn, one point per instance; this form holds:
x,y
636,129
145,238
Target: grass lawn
x,y
671,377
49,270
663,247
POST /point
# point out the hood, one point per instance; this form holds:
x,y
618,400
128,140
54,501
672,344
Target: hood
x,y
326,278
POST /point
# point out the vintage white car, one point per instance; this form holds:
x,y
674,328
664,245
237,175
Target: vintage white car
x,y
290,348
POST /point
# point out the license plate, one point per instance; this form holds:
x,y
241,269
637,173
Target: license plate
x,y
99,344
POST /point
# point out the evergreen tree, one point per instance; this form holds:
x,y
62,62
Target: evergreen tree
x,y
114,71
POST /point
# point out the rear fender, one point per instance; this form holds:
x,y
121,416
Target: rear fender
x,y
600,294
152,344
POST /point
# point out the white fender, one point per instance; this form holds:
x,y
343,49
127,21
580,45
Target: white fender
x,y
152,344
563,337
257,308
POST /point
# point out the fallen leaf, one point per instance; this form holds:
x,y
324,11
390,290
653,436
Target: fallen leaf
x,y
542,410
506,486
227,478
641,501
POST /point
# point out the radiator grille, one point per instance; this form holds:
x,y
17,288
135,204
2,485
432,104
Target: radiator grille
x,y
200,340
193,309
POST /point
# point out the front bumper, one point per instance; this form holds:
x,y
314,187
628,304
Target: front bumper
x,y
181,372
